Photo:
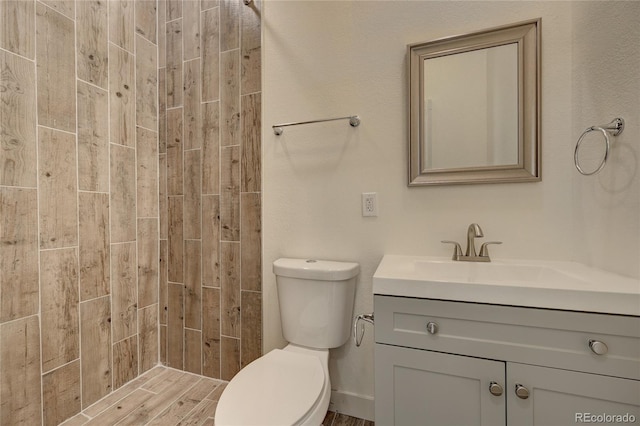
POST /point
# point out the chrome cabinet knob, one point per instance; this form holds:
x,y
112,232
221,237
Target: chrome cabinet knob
x,y
598,347
495,389
432,327
521,391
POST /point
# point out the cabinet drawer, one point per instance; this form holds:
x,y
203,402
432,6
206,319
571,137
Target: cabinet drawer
x,y
543,337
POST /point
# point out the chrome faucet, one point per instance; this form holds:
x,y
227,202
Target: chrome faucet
x,y
474,231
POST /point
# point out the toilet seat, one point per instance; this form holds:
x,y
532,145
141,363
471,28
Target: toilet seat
x,y
279,388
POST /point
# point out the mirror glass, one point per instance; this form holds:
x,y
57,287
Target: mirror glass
x,y
474,107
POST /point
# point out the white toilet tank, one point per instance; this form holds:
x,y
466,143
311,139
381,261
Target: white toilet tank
x,y
316,301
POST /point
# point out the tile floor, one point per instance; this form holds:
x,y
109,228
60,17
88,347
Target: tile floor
x,y
167,397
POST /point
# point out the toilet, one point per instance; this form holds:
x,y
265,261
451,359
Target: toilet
x,y
291,386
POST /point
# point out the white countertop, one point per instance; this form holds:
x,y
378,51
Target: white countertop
x,y
539,284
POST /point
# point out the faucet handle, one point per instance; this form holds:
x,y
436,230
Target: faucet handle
x,y
484,251
457,250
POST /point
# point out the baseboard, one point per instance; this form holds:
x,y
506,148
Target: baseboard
x,y
351,404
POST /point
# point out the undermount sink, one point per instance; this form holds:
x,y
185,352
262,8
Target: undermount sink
x,y
543,284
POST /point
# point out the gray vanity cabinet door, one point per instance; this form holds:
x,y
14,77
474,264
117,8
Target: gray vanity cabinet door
x,y
418,387
561,397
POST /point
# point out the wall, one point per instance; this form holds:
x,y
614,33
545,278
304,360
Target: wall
x,y
606,206
210,185
324,59
78,203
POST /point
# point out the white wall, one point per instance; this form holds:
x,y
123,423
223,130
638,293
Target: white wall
x,y
327,59
606,84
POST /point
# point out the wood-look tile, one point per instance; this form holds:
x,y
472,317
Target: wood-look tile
x,y
146,83
174,9
173,83
125,361
116,412
77,420
192,284
17,119
175,263
251,333
60,309
123,194
148,337
345,420
146,19
162,110
163,344
61,393
94,245
124,392
230,289
211,240
18,29
193,351
162,194
57,189
148,256
251,241
93,138
328,418
192,105
162,288
192,194
121,24
147,172
162,36
123,287
211,332
122,114
191,34
175,167
208,4
251,143
230,24
230,193
156,405
175,413
20,366
217,392
95,332
230,354
201,414
175,326
250,48
19,296
211,148
210,55
230,98
55,58
66,7
165,379
92,26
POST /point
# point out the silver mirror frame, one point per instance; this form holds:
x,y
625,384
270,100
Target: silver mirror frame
x,y
527,36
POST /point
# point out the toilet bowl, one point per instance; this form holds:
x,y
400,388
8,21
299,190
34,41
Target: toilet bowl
x,y
287,386
291,386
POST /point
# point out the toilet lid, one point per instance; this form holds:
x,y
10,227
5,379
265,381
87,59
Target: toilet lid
x,y
276,389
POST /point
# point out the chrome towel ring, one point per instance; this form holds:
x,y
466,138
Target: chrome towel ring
x,y
615,128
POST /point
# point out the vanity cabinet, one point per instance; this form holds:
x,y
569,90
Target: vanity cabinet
x,y
457,363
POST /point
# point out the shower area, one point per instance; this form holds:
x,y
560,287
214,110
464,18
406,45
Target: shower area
x,y
130,196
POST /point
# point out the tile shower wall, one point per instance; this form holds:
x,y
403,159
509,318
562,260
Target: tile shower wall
x,y
79,217
210,185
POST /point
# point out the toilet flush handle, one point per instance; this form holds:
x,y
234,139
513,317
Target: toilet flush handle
x,y
359,334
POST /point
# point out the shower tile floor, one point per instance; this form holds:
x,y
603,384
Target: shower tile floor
x,y
164,396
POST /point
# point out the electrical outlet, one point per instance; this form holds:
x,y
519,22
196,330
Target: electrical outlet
x,y
369,204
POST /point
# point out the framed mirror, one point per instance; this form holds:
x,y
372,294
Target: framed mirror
x,y
474,107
